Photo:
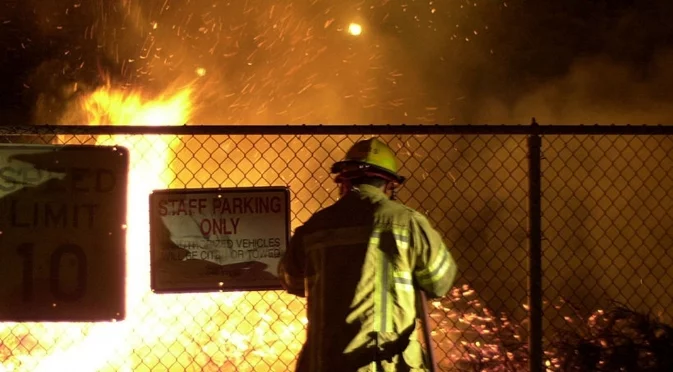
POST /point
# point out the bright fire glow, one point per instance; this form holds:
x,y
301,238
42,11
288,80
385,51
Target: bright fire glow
x,y
355,29
106,106
213,331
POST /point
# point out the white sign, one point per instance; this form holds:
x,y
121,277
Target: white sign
x,y
62,232
218,239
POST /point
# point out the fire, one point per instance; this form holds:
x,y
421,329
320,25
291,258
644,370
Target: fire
x,y
213,331
108,106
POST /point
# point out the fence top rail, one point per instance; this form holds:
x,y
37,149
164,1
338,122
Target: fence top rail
x,y
17,130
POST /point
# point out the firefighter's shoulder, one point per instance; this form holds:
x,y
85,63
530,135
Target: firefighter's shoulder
x,y
321,217
401,209
417,216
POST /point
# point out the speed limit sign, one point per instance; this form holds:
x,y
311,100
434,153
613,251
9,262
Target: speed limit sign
x,y
62,232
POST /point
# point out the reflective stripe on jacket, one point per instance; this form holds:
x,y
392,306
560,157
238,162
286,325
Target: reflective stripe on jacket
x,y
359,263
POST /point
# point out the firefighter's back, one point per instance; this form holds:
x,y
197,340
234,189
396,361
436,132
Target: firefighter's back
x,y
356,315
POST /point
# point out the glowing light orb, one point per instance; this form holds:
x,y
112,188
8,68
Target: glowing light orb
x,y
354,29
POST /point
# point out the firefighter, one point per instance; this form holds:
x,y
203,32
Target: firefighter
x,y
360,263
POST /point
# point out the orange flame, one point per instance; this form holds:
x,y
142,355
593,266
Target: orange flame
x,y
212,331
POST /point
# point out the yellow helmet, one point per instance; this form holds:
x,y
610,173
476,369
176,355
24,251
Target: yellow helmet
x,y
369,156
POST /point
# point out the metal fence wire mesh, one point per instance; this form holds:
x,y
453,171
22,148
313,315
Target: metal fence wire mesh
x,y
606,224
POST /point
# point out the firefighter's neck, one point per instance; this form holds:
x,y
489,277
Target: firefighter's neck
x,y
348,187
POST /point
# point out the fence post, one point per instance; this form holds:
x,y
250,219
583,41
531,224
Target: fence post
x,y
535,250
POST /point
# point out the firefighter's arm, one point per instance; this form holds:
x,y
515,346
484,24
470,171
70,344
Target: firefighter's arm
x,y
291,266
435,269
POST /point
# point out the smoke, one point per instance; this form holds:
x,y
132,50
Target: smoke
x,y
423,62
578,62
264,62
596,90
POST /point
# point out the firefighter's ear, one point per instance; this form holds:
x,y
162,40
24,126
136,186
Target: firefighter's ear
x,y
391,188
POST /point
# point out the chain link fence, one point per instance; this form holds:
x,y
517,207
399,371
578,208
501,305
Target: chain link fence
x,y
606,223
607,226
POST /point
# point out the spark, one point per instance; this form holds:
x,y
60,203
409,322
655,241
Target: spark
x,y
355,29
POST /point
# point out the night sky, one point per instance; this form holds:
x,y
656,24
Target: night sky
x,y
431,61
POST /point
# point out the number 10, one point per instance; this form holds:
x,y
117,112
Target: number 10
x,y
26,251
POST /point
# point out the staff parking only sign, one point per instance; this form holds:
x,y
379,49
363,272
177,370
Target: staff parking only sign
x,y
228,239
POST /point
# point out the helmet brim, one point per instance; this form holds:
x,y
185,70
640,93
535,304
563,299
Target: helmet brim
x,y
341,166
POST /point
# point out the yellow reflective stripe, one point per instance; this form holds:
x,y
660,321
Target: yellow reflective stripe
x,y
436,269
383,320
386,298
403,281
374,241
379,306
403,275
401,237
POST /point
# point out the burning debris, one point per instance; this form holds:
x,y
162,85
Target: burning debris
x,y
616,339
474,337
